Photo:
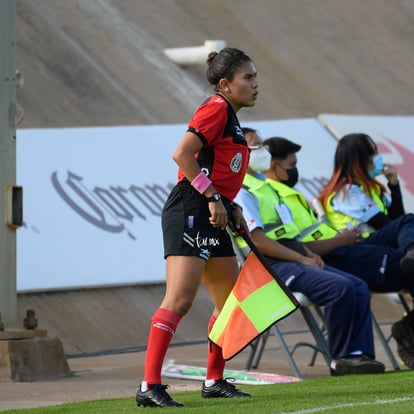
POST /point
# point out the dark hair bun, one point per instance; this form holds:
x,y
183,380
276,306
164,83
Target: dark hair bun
x,y
210,57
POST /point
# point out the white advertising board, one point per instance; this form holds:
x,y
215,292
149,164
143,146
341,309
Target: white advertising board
x,y
93,199
394,136
92,204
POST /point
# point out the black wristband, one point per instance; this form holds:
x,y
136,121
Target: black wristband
x,y
215,197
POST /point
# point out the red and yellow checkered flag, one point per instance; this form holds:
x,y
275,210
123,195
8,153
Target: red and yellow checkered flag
x,y
257,301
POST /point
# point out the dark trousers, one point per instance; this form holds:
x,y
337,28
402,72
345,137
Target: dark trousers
x,y
377,259
399,233
346,302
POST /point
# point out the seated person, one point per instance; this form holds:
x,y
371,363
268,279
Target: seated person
x,y
376,263
345,298
354,198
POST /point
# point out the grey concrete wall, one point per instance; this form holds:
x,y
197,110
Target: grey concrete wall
x,y
118,318
102,63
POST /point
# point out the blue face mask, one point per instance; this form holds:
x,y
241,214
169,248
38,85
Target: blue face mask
x,y
378,166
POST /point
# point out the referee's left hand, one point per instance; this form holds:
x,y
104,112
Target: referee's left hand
x,y
237,220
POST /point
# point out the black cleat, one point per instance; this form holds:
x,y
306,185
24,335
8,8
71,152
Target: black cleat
x,y
357,364
156,396
222,389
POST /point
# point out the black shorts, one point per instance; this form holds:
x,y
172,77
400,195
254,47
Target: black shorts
x,y
186,228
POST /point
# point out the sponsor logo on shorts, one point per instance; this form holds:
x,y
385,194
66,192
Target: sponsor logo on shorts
x,y
204,254
204,244
206,241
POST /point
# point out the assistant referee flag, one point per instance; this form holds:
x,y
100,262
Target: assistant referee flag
x,y
257,301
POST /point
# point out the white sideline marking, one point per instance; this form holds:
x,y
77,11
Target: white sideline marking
x,y
326,408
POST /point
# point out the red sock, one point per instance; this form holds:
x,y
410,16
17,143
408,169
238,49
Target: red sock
x,y
215,361
163,325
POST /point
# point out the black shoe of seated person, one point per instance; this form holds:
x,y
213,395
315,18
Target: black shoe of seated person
x,y
222,389
356,365
156,396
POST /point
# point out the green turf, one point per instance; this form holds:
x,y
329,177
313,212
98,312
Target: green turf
x,y
391,392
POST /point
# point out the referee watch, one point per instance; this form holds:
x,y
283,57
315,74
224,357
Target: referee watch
x,y
215,197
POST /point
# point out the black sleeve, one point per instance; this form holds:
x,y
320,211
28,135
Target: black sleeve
x,y
397,205
378,221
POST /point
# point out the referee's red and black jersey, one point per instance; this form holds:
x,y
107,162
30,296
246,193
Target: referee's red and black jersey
x,y
224,157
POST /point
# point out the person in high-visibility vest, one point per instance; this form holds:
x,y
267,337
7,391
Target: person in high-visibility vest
x,y
376,263
354,197
345,298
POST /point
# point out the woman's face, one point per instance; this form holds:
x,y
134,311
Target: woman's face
x,y
242,90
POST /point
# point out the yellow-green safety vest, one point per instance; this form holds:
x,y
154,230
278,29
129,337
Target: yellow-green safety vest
x,y
268,199
341,221
310,228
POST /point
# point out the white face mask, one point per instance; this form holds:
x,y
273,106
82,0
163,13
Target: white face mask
x,y
260,159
